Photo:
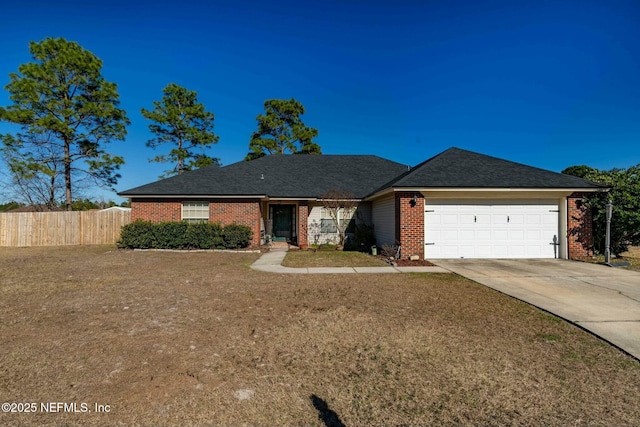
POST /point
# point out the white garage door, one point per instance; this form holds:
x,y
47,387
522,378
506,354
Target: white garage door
x,y
491,229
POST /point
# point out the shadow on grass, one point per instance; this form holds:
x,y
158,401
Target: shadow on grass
x,y
326,415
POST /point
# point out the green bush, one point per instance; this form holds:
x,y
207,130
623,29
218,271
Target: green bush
x,y
236,236
363,239
204,235
139,234
171,235
182,235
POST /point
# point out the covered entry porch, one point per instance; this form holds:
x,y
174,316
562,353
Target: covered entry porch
x,y
285,221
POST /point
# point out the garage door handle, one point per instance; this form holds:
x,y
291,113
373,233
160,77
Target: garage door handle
x,y
507,219
474,218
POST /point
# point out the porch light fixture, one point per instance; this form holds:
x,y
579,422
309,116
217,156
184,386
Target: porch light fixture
x,y
414,201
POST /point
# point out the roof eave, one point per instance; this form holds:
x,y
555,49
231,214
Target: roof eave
x,y
193,196
390,190
514,189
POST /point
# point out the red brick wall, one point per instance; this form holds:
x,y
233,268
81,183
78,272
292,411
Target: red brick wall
x,y
223,211
410,227
156,210
237,211
579,228
303,219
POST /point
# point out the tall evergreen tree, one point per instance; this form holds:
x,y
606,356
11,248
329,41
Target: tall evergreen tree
x,y
180,120
67,112
281,131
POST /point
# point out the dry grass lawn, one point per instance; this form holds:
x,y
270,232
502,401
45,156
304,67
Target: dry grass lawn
x,y
632,256
191,339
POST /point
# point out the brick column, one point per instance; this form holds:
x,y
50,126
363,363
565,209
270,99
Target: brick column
x,y
579,228
410,227
303,220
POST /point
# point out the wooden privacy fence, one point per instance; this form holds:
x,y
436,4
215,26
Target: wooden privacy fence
x,y
62,228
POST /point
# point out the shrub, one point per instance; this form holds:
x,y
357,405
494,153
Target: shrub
x,y
182,235
171,235
204,235
363,239
236,236
389,251
138,234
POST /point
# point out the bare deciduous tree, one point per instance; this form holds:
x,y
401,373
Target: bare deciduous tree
x,y
340,205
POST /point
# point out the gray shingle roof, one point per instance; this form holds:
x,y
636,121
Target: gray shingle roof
x,y
294,176
311,176
457,168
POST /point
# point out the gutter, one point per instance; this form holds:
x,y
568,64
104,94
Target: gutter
x,y
392,190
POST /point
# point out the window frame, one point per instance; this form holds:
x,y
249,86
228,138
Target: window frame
x,y
195,211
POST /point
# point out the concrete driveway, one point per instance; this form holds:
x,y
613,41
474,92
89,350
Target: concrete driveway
x,y
603,300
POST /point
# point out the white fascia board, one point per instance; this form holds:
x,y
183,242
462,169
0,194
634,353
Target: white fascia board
x,y
501,193
444,192
511,190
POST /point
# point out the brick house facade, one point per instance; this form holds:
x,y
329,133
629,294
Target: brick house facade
x,y
410,224
280,194
222,211
579,228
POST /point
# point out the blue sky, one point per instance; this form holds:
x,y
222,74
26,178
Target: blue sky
x,y
546,83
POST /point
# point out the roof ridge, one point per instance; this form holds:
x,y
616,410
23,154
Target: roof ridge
x,y
411,169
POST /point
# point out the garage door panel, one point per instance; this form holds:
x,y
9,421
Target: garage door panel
x,y
491,229
467,252
451,235
517,219
483,235
434,218
516,235
534,252
466,219
483,219
533,219
517,251
534,235
499,219
466,234
450,252
500,234
450,219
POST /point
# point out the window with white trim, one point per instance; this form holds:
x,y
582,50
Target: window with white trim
x,y
194,212
327,224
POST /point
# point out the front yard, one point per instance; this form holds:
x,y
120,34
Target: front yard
x,y
165,338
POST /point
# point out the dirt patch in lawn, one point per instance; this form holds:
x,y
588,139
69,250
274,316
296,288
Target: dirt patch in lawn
x,y
165,338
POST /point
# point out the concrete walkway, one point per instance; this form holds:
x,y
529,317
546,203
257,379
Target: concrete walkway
x,y
600,299
272,260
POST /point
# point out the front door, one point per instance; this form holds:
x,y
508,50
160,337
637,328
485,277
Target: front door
x,y
283,222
